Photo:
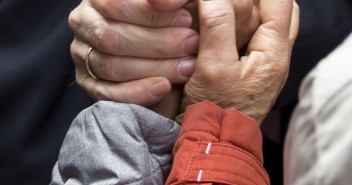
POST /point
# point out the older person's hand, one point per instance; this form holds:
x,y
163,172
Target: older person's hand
x,y
250,83
135,45
138,51
247,16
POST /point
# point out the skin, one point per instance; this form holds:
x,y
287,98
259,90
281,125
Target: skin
x,y
248,83
142,49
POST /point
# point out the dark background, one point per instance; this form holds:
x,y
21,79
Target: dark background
x,y
39,99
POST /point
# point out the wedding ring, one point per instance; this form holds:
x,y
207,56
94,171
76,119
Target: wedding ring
x,y
86,61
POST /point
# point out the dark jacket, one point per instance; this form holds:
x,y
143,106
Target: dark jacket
x,y
38,96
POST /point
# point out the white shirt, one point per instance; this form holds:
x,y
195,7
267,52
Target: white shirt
x,y
318,148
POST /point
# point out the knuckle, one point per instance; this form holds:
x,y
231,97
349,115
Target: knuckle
x,y
105,40
74,50
208,74
74,53
74,18
81,81
100,33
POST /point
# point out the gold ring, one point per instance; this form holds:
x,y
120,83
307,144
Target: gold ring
x,y
86,61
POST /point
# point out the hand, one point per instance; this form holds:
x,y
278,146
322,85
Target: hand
x,y
247,16
132,74
250,83
135,46
138,51
103,25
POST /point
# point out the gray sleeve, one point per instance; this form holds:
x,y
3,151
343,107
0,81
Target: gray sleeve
x,y
112,143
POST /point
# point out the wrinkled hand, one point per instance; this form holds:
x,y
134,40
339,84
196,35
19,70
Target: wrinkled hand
x,y
247,16
138,50
250,83
141,48
132,41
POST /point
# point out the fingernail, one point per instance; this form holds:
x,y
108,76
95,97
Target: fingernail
x,y
159,88
190,45
186,67
182,21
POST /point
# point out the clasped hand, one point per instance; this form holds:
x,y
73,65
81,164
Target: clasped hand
x,y
142,48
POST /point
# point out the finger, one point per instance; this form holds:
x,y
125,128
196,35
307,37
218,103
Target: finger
x,y
246,25
247,19
276,15
145,92
141,13
121,69
217,27
243,8
294,23
167,4
132,40
169,106
79,52
272,36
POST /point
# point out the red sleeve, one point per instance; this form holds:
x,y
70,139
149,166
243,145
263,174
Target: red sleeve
x,y
218,146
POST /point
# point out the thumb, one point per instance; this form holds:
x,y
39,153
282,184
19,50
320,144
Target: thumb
x,y
217,28
167,4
